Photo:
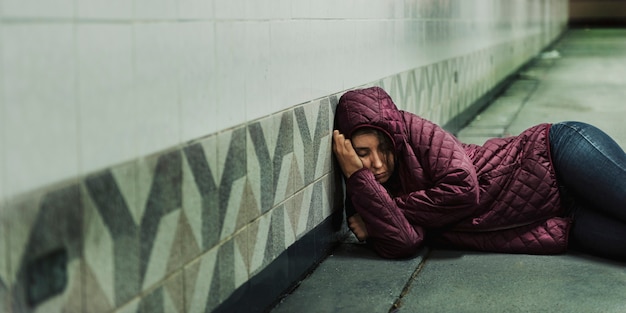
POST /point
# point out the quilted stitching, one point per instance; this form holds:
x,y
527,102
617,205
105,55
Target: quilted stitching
x,y
518,190
546,237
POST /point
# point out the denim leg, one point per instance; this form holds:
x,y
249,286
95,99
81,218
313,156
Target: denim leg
x,y
598,234
591,166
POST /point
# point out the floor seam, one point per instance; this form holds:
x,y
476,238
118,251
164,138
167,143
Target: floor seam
x,y
407,287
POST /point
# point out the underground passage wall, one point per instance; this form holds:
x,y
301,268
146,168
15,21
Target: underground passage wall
x,y
175,155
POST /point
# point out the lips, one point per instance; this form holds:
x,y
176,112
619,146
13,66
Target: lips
x,y
380,176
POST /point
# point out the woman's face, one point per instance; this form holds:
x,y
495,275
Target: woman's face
x,y
368,148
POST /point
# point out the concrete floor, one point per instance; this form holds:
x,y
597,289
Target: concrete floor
x,y
586,82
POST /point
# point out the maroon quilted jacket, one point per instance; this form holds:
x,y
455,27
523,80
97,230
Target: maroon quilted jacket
x,y
501,196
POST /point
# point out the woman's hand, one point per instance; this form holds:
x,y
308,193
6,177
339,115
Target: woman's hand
x,y
346,156
356,224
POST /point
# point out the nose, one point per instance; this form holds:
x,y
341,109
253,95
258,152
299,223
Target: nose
x,y
377,160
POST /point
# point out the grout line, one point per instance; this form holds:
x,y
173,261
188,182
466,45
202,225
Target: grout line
x,y
395,307
132,20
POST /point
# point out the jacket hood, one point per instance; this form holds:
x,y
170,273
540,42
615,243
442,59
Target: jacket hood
x,y
370,107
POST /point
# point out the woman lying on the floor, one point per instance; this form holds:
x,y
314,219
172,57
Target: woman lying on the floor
x,y
551,188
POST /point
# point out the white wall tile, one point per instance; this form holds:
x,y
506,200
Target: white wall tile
x,y
302,8
406,36
37,8
280,9
156,9
195,9
372,9
258,9
343,9
231,73
368,49
291,62
399,9
352,71
321,9
341,44
156,54
201,66
230,9
40,107
327,43
257,64
109,9
105,95
197,79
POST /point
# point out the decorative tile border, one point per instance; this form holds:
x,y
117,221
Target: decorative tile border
x,y
167,297
36,227
242,212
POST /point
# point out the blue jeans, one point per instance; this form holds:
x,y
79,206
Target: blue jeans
x,y
591,171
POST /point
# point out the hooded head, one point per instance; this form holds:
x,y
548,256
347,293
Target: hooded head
x,y
370,107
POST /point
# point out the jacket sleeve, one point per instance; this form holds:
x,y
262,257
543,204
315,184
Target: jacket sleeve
x,y
449,189
390,233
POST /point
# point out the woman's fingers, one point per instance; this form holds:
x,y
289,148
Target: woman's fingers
x,y
339,142
357,226
342,145
346,156
347,144
337,138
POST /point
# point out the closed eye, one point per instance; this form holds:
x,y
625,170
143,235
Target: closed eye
x,y
362,152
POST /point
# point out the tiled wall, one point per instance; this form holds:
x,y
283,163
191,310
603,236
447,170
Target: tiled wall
x,y
174,156
98,82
